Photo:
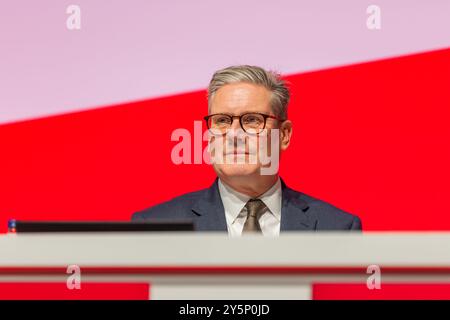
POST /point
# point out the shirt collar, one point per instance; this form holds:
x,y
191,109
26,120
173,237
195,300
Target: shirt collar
x,y
234,201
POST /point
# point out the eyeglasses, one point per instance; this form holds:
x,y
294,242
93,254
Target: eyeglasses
x,y
251,122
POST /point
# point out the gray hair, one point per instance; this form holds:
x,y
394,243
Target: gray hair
x,y
271,80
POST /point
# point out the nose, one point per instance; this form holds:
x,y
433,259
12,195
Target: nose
x,y
235,135
235,125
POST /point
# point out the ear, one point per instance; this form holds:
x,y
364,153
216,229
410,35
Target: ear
x,y
285,134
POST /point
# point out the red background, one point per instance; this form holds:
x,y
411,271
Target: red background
x,y
387,291
371,138
87,291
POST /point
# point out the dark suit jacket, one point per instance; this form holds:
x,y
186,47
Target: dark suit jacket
x,y
298,212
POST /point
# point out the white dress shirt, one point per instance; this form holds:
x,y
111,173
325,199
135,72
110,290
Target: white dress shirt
x,y
236,212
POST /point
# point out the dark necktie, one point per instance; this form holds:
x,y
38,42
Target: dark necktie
x,y
255,209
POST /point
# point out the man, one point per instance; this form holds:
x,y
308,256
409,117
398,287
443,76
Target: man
x,y
248,197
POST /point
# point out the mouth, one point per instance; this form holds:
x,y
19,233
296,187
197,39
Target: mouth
x,y
237,153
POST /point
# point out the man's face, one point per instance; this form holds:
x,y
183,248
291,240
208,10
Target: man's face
x,y
236,99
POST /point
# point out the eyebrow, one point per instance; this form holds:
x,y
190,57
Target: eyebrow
x,y
231,114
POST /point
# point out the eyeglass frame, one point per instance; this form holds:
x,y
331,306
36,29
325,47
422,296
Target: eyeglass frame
x,y
265,116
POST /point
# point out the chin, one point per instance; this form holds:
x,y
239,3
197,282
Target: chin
x,y
237,170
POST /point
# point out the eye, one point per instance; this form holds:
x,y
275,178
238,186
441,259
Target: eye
x,y
252,119
221,120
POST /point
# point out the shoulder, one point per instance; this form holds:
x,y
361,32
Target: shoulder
x,y
327,216
178,207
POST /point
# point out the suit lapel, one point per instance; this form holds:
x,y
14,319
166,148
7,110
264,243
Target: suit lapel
x,y
209,211
294,211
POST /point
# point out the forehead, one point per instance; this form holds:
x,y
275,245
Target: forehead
x,y
241,97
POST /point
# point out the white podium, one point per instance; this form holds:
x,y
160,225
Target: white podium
x,y
213,266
